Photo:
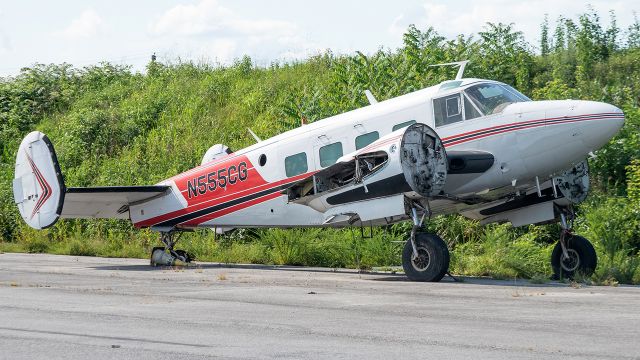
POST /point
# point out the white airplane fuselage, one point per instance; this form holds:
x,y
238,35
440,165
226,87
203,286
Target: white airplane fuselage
x,y
530,142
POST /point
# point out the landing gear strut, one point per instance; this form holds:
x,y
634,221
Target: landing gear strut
x,y
166,255
573,254
425,256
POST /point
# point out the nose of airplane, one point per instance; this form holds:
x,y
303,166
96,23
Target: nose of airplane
x,y
598,122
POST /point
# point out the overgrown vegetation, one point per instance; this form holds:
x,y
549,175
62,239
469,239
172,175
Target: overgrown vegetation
x,y
115,127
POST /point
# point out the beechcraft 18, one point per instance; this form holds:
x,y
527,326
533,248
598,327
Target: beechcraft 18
x,y
470,146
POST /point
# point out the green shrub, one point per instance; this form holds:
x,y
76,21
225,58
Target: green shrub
x,y
498,252
613,226
37,244
81,248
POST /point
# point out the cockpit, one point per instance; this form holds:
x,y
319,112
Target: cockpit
x,y
478,100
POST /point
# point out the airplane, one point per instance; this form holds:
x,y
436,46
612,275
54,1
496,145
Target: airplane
x,y
475,147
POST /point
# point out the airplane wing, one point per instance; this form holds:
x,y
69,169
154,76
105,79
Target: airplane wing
x,y
111,202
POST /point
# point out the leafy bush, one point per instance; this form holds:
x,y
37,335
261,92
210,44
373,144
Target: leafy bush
x,y
614,230
501,254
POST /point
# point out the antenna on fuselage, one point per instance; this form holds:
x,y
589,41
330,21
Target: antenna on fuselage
x,y
370,97
460,64
254,135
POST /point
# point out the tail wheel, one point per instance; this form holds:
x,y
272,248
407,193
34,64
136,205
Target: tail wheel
x,y
581,258
432,261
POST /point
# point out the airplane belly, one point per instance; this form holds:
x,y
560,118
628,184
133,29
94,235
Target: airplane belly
x,y
274,212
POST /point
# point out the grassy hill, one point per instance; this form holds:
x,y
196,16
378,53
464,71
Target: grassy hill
x,y
112,126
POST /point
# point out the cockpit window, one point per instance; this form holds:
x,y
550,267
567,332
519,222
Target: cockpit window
x,y
470,110
517,93
493,98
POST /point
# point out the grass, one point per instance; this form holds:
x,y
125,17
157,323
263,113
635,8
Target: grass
x,y
494,254
497,251
539,279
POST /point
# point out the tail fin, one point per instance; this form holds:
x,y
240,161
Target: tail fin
x,y
42,198
38,186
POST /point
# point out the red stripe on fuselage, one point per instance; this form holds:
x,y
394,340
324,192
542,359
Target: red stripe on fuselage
x,y
219,213
255,183
518,126
525,122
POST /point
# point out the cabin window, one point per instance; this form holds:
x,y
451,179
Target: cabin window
x,y
403,125
366,139
296,164
447,110
330,153
470,110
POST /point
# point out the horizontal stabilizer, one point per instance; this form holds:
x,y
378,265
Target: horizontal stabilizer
x,y
42,198
111,202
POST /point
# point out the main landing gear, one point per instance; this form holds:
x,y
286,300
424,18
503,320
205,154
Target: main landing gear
x,y
573,254
166,255
425,256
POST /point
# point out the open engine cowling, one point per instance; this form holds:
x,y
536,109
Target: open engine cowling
x,y
424,160
574,183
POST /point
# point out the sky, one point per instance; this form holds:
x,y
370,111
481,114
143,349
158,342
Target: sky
x,y
85,32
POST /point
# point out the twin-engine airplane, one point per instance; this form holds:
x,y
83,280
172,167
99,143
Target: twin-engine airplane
x,y
470,146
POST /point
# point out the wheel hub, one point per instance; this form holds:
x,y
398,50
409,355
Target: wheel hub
x,y
422,261
571,262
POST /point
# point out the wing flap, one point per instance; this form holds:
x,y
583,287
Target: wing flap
x,y
107,201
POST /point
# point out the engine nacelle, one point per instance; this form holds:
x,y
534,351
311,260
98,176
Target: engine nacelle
x,y
215,152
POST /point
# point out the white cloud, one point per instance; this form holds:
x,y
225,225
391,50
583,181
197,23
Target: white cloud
x,y
398,25
209,28
87,25
190,19
223,50
210,18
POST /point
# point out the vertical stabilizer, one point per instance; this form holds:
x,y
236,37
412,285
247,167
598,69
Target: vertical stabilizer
x,y
38,186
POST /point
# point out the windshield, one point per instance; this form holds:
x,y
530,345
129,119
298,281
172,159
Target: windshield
x,y
493,98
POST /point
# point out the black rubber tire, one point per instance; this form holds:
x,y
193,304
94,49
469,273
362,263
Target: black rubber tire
x,y
586,256
438,255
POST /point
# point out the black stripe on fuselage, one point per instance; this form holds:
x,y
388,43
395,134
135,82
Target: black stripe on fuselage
x,y
190,216
390,186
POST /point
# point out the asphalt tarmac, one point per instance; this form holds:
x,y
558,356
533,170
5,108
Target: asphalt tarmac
x,y
68,307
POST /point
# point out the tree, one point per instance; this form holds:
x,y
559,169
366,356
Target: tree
x,y
544,37
611,35
633,33
505,55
